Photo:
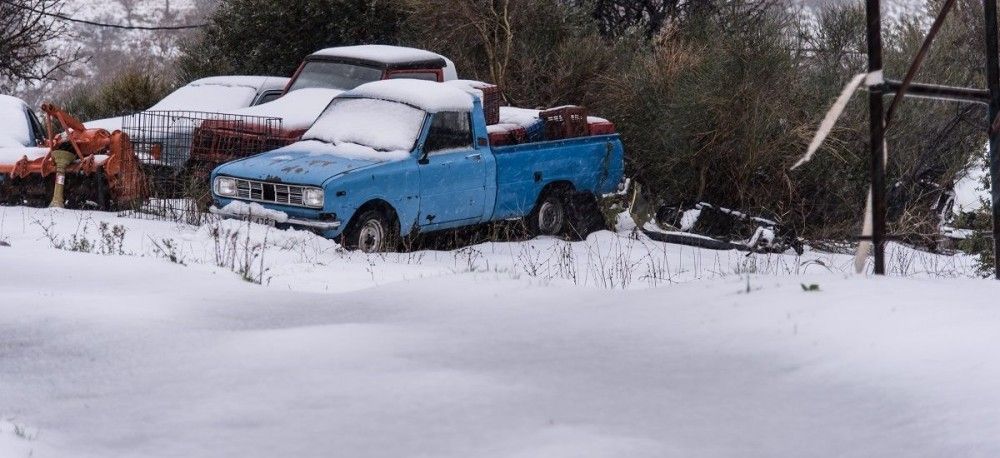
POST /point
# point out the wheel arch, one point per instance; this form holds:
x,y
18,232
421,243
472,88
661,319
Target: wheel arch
x,y
381,205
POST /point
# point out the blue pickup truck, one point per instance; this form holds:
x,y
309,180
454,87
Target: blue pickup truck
x,y
407,156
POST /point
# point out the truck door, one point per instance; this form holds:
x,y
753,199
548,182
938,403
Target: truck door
x,y
452,173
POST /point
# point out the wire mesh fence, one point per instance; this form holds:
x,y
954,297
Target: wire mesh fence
x,y
179,149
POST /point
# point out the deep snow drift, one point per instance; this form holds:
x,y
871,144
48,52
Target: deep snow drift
x,y
465,353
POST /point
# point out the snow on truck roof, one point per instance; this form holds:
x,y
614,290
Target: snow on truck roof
x,y
382,53
427,95
391,56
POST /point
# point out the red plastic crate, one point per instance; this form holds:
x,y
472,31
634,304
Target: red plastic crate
x,y
565,122
601,127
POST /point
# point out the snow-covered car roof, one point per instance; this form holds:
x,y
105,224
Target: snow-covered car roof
x,y
212,94
14,128
384,54
259,83
427,95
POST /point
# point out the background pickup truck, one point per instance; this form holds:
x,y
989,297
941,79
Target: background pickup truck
x,y
409,156
322,76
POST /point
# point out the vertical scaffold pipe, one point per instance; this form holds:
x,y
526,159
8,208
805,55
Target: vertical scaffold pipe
x,y
877,132
993,84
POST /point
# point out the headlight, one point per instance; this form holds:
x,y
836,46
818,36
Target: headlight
x,y
313,197
225,186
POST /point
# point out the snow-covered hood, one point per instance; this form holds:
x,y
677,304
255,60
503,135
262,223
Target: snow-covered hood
x,y
108,124
297,109
304,163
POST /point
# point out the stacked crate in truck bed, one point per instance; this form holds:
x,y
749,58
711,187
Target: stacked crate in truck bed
x,y
521,125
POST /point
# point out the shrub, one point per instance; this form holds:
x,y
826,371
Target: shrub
x,y
127,92
270,37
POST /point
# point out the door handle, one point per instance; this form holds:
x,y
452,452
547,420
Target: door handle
x,y
475,157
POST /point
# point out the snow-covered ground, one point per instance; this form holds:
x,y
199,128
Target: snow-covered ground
x,y
614,346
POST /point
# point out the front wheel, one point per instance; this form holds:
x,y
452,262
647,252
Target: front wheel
x,y
371,232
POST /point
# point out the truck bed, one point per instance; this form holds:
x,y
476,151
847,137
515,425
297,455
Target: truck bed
x,y
591,163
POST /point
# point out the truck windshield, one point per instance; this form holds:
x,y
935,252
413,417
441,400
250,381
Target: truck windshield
x,y
379,125
334,75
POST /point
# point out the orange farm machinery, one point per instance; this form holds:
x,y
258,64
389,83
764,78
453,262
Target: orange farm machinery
x,y
76,167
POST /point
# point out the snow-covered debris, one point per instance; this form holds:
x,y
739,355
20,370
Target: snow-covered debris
x,y
970,192
427,95
298,109
12,154
254,210
14,128
381,126
523,117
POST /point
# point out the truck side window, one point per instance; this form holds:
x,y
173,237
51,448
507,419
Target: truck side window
x,y
449,130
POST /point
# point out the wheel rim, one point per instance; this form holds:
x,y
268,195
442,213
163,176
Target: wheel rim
x,y
550,217
371,236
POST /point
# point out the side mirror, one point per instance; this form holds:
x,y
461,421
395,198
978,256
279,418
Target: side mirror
x,y
423,159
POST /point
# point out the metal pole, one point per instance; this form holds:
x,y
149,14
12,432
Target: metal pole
x,y
876,114
993,84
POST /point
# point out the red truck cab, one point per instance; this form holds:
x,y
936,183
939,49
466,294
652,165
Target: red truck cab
x,y
325,74
347,67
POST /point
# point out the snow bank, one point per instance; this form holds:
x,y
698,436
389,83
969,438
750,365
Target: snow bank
x,y
426,95
14,127
297,109
380,125
192,361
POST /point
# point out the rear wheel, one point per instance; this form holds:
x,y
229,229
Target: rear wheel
x,y
564,213
550,215
371,232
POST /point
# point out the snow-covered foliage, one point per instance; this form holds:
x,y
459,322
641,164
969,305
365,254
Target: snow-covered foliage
x,y
427,95
104,50
383,129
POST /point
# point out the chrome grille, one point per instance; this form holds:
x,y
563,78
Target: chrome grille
x,y
262,191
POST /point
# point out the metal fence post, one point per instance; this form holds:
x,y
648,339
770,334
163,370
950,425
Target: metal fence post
x,y
876,113
993,84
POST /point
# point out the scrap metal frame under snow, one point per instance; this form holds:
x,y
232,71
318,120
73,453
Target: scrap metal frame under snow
x,y
179,149
878,87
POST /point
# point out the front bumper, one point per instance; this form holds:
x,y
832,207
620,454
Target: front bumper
x,y
308,223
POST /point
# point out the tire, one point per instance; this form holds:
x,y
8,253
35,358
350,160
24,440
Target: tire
x,y
371,232
550,215
584,216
